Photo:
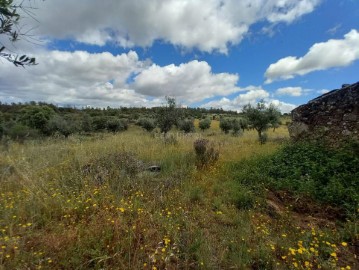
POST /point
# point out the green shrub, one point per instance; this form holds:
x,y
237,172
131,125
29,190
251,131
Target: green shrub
x,y
186,125
225,125
204,124
20,132
114,124
236,127
147,123
328,175
61,125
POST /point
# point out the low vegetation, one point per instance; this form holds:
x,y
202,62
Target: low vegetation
x,y
215,201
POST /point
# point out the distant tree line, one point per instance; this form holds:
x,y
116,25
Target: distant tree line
x,y
19,121
35,119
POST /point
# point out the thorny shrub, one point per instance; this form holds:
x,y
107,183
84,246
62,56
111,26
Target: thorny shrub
x,y
206,153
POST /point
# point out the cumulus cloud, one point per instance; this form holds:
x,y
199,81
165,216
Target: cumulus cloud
x,y
253,95
76,78
290,91
321,56
192,81
204,24
82,78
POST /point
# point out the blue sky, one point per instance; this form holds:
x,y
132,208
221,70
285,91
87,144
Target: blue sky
x,y
207,53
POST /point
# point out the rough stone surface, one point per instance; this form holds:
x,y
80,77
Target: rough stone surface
x,y
333,116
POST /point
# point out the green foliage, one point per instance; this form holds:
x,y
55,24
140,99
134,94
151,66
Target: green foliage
x,y
261,116
99,123
9,27
19,132
186,125
61,125
206,153
225,125
168,115
86,123
147,123
36,117
204,124
236,127
114,124
328,175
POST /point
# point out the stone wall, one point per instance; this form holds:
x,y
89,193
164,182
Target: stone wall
x,y
333,116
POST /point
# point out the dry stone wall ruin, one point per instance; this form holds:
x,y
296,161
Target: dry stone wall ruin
x,y
333,116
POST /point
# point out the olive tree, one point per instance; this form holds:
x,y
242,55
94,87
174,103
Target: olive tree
x,y
167,115
204,124
9,27
261,116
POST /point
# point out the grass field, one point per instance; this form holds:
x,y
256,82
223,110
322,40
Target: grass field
x,y
89,203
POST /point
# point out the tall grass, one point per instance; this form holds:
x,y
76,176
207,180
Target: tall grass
x,y
90,203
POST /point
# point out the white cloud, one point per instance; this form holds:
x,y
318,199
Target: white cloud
x,y
290,91
104,79
192,81
323,91
76,78
321,56
282,106
204,24
253,95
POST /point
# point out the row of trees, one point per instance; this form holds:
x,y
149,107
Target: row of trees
x,y
35,120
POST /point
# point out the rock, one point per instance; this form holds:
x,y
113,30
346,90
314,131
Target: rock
x,y
154,168
333,116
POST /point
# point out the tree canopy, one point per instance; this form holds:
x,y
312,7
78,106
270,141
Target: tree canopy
x,y
261,116
9,28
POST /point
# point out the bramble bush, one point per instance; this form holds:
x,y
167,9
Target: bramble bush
x,y
327,174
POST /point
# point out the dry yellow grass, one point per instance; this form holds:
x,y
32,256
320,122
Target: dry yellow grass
x,y
54,216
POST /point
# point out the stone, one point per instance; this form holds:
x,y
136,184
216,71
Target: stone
x,y
154,168
332,116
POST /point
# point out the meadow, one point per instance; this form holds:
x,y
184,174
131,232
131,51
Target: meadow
x,y
88,202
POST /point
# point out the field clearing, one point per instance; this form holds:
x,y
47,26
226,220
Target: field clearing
x,y
90,203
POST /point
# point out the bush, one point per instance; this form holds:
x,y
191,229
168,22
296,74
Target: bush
x,y
225,125
328,175
206,154
236,127
116,125
204,124
147,124
187,126
36,117
99,123
61,125
87,123
19,132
